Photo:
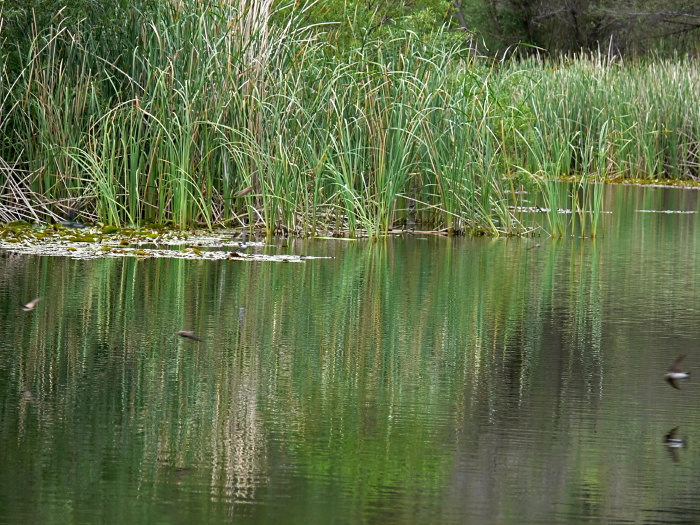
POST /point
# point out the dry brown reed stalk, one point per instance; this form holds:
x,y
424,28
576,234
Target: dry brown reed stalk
x,y
17,200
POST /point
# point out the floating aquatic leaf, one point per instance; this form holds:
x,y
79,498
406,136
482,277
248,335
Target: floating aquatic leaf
x,y
666,211
141,244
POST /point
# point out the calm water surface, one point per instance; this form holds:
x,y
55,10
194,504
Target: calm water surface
x,y
417,380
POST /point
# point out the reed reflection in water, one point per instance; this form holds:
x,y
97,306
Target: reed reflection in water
x,y
413,380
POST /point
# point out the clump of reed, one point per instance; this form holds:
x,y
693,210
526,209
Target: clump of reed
x,y
600,119
232,113
596,114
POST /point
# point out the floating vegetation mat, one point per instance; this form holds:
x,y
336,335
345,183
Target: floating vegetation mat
x,y
666,211
93,243
537,209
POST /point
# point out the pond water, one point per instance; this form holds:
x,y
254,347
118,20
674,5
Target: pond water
x,y
414,380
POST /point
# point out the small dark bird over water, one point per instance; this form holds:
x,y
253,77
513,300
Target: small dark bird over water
x,y
70,221
73,224
242,246
189,335
675,374
31,304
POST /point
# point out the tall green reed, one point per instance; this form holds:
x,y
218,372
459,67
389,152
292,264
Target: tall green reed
x,y
211,98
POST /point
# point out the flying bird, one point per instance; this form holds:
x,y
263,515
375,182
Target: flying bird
x,y
189,335
674,373
31,304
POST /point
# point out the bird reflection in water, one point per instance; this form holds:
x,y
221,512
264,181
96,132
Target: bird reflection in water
x,y
187,334
674,443
27,396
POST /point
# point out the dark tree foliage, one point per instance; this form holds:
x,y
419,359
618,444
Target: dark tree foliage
x,y
495,26
23,19
554,26
108,22
622,26
565,26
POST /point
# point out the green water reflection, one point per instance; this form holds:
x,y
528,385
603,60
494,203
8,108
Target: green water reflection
x,y
417,380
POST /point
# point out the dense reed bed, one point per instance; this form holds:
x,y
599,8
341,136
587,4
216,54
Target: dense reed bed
x,y
230,113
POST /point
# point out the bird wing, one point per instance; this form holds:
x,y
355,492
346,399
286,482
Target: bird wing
x,y
673,383
31,304
675,367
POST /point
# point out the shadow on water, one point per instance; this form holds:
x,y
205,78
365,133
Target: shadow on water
x,y
413,380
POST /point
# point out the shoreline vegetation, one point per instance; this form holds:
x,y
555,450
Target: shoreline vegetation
x,y
233,114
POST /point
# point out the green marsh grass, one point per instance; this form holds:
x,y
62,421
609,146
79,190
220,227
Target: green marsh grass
x,y
177,114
